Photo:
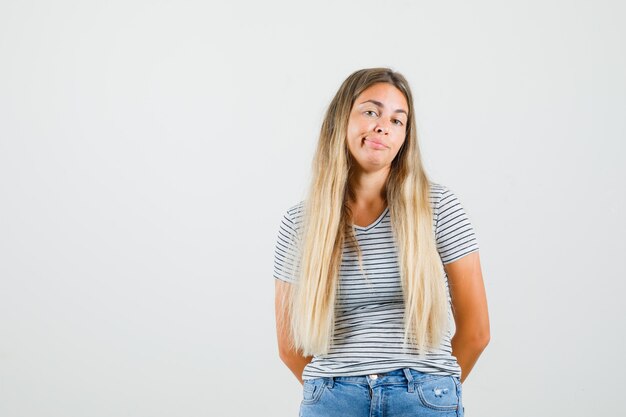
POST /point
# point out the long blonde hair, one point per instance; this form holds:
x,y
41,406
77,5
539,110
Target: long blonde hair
x,y
327,224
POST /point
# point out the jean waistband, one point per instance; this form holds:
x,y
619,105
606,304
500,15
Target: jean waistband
x,y
406,376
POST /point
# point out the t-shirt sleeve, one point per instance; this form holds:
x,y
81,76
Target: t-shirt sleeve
x,y
285,254
454,233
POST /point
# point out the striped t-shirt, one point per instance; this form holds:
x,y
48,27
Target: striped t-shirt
x,y
368,333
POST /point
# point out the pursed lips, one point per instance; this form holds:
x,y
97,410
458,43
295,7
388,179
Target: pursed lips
x,y
378,141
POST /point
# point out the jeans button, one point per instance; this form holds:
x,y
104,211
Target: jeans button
x,y
373,376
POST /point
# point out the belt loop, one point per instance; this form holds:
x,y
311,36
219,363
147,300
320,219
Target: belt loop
x,y
409,377
330,381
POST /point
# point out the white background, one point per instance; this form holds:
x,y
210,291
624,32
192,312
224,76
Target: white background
x,y
148,151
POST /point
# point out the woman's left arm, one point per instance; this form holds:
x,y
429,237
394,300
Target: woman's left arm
x,y
469,306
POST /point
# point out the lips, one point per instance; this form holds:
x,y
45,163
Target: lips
x,y
374,140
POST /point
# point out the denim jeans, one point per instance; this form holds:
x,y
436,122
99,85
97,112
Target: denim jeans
x,y
400,393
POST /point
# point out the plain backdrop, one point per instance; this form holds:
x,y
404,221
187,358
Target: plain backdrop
x,y
148,150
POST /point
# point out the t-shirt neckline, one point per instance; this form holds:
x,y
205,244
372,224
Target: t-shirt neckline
x,y
374,223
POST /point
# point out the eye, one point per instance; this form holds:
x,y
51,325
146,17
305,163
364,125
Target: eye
x,y
399,122
370,111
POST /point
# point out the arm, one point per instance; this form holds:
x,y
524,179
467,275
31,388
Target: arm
x,y
469,306
294,361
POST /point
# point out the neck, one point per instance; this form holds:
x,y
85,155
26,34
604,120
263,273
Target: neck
x,y
369,188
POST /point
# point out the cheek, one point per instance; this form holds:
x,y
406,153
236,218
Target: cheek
x,y
353,129
400,142
401,136
354,133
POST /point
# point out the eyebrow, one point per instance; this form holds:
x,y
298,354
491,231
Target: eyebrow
x,y
379,104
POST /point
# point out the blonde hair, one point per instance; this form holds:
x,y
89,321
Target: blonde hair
x,y
327,224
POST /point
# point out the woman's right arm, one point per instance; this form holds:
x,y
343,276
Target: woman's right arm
x,y
294,361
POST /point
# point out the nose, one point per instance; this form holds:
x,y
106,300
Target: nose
x,y
381,128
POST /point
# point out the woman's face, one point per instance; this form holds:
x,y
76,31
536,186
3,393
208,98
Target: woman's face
x,y
377,126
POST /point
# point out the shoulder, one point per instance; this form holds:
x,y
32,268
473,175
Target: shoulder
x,y
437,189
292,218
295,212
442,195
438,192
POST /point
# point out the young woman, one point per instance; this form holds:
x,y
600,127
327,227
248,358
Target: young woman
x,y
371,267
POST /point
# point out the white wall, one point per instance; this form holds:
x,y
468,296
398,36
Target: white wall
x,y
149,149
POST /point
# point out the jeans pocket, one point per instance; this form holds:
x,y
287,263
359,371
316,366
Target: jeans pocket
x,y
312,390
457,381
439,393
459,390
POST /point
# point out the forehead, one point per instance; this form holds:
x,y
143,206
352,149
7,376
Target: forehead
x,y
387,94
